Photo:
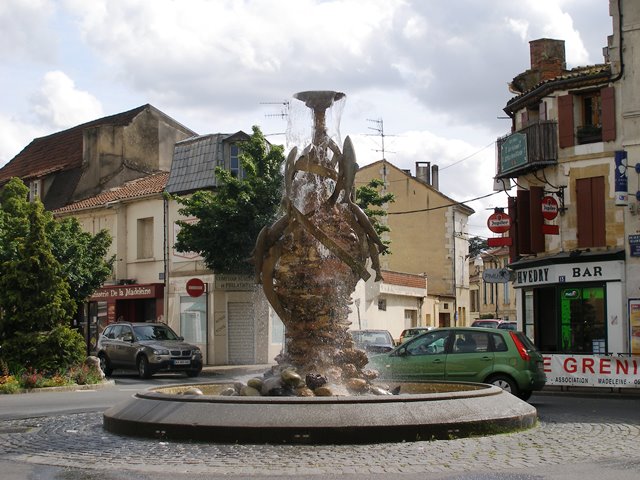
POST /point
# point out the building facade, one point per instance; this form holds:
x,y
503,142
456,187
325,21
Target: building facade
x,y
571,151
429,237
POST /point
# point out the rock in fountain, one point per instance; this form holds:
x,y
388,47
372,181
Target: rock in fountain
x,y
309,262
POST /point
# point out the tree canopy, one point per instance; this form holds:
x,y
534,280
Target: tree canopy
x,y
230,218
47,268
371,200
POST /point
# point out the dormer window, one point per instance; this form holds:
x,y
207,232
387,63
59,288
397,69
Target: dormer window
x,y
35,189
235,167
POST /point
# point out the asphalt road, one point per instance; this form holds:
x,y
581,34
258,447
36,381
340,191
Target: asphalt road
x,y
47,436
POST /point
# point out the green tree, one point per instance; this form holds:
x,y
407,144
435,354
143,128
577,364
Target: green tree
x,y
34,295
477,245
230,218
371,200
82,257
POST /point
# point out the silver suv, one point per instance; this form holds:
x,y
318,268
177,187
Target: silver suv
x,y
147,347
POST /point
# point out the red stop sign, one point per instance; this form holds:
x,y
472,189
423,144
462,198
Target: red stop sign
x,y
195,287
549,208
499,222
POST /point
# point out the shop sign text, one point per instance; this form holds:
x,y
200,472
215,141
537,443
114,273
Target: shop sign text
x,y
592,371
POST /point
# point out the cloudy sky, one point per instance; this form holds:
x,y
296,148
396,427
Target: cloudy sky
x,y
434,72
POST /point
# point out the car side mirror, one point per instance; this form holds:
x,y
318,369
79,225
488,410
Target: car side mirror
x,y
401,352
181,338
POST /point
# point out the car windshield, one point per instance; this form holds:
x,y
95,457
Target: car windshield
x,y
154,332
427,344
372,338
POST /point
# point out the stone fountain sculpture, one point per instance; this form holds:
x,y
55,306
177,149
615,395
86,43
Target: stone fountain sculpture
x,y
311,258
309,262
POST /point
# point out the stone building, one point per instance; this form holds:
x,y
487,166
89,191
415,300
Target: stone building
x,y
572,151
428,233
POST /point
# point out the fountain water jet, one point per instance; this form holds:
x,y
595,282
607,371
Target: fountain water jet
x,y
308,262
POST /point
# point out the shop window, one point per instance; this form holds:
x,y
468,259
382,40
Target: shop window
x,y
145,238
582,320
193,319
382,304
591,212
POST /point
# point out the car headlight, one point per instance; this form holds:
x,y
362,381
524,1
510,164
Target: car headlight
x,y
160,351
196,352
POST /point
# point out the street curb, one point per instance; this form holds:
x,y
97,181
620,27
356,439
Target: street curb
x,y
70,388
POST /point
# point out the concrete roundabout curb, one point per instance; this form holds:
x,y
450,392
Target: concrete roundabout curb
x,y
473,411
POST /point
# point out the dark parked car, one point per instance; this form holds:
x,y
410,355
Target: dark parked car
x,y
504,358
147,347
508,325
373,341
408,333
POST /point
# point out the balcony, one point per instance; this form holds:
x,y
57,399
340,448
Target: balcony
x,y
589,134
531,148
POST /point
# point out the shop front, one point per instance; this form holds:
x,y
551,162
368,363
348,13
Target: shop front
x,y
574,303
126,303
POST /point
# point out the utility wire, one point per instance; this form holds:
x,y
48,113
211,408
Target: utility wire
x,y
468,156
444,206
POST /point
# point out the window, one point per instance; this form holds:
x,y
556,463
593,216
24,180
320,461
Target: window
x,y
591,212
145,238
235,167
382,304
35,188
586,117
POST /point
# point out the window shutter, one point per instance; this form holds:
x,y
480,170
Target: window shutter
x,y
524,225
608,118
597,207
565,121
591,212
514,248
583,209
535,214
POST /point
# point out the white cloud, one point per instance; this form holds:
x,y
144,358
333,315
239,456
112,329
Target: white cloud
x,y
25,33
61,105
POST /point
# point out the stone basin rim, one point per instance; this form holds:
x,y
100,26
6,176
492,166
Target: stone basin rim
x,y
475,390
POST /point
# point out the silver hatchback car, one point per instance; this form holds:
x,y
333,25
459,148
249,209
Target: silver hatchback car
x,y
147,347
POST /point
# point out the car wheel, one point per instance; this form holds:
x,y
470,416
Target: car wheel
x,y
193,373
525,395
143,367
105,364
504,382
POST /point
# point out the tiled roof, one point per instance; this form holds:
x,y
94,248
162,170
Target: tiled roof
x,y
404,279
574,77
195,159
141,187
59,151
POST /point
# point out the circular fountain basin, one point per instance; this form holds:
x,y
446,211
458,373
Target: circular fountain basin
x,y
422,411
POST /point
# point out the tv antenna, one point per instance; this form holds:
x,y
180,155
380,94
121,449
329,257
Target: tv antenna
x,y
284,112
379,129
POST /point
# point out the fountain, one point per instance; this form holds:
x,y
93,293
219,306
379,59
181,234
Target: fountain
x,y
308,263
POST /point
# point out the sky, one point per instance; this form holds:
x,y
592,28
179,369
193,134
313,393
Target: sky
x,y
430,75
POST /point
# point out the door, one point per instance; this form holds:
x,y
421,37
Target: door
x,y
471,357
242,343
420,359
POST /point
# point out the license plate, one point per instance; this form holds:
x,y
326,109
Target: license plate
x,y
181,362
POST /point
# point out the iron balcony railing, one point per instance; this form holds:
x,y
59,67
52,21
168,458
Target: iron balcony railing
x,y
530,148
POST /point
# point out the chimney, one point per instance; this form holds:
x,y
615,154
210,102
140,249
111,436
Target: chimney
x,y
547,58
434,177
423,172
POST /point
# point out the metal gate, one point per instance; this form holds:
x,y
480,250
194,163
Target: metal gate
x,y
242,347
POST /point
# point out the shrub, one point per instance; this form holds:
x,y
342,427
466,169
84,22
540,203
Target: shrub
x,y
53,351
85,375
9,384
